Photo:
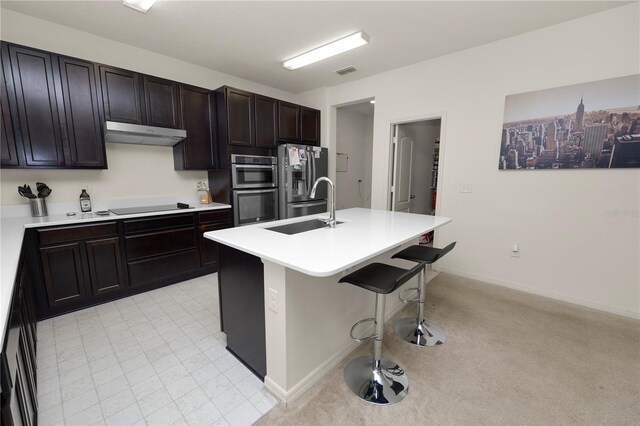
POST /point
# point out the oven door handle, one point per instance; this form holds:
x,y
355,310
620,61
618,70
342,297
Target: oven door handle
x,y
255,166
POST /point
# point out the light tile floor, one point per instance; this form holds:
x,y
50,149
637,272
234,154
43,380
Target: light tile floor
x,y
155,358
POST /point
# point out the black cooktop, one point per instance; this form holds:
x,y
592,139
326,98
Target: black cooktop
x,y
149,209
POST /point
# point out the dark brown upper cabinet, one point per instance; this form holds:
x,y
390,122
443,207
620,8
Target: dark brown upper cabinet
x,y
246,119
266,113
198,150
37,106
288,121
161,101
309,126
8,142
51,116
82,119
240,116
121,95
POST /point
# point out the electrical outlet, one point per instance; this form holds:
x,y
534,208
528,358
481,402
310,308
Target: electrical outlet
x,y
273,300
466,188
515,250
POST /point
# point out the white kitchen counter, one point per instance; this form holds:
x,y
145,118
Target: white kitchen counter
x,y
12,234
324,252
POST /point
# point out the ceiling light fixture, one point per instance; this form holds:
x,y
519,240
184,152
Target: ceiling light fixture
x,y
331,49
139,5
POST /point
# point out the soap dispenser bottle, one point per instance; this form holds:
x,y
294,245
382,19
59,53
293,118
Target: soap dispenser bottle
x,y
85,201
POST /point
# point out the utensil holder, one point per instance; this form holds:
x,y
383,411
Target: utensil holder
x,y
38,207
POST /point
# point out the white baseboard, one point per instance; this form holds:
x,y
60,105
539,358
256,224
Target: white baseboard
x,y
287,397
543,293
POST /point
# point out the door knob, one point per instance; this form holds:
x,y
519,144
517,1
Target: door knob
x,y
412,197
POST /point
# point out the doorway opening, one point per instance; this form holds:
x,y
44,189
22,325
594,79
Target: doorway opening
x,y
415,166
353,154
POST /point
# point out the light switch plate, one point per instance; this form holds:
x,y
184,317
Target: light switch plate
x,y
273,300
466,188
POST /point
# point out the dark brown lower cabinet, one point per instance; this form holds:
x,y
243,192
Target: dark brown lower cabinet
x,y
105,265
241,281
18,381
63,275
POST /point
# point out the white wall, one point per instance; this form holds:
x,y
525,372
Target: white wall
x,y
354,138
570,248
424,134
134,171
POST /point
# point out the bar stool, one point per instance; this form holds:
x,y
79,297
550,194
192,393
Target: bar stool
x,y
376,379
418,330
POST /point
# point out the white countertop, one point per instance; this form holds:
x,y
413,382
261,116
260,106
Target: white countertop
x,y
12,233
327,251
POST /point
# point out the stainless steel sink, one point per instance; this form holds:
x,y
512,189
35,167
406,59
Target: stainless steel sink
x,y
298,227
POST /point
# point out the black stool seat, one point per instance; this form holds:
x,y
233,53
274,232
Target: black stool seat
x,y
423,254
381,278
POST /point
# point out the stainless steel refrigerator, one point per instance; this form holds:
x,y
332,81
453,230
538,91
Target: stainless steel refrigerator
x,y
298,168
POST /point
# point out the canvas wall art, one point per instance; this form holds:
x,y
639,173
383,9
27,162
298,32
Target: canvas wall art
x,y
593,125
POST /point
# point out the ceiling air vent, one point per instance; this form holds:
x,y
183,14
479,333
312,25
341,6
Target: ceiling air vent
x,y
345,71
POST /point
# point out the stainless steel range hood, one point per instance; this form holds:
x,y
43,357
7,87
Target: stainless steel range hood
x,y
142,135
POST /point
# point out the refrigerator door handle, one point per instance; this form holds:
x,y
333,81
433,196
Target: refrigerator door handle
x,y
305,205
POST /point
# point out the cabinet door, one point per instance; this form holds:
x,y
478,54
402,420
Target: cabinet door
x,y
9,152
310,126
209,248
240,117
121,95
288,121
266,113
63,277
105,265
81,113
33,81
161,102
197,151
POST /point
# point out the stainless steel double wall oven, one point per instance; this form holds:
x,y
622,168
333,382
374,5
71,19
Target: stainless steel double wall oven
x,y
254,181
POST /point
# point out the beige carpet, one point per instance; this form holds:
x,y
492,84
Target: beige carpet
x,y
510,358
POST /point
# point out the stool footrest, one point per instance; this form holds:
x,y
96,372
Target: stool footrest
x,y
362,339
402,298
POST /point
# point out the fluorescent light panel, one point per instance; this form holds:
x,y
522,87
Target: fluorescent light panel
x,y
139,5
331,49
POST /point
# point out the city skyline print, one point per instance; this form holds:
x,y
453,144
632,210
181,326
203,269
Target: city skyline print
x,y
593,125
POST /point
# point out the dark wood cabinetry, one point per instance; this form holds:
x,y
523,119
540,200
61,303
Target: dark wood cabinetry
x,y
104,260
18,381
161,101
310,126
9,151
37,106
266,113
121,95
240,117
298,123
51,116
198,150
83,122
288,121
63,274
211,221
241,281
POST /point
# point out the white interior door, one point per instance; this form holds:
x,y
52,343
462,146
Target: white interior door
x,y
401,196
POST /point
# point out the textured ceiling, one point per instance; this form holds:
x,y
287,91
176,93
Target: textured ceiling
x,y
250,39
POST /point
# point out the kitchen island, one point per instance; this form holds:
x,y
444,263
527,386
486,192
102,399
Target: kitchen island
x,y
291,282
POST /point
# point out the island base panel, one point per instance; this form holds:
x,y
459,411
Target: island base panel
x,y
241,281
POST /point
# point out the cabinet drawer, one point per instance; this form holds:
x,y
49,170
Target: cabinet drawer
x,y
139,225
74,233
162,268
216,216
158,243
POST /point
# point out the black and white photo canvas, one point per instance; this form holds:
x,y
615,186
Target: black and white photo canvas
x,y
582,126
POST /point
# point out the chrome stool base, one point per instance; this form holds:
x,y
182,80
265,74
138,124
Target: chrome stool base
x,y
385,386
422,334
